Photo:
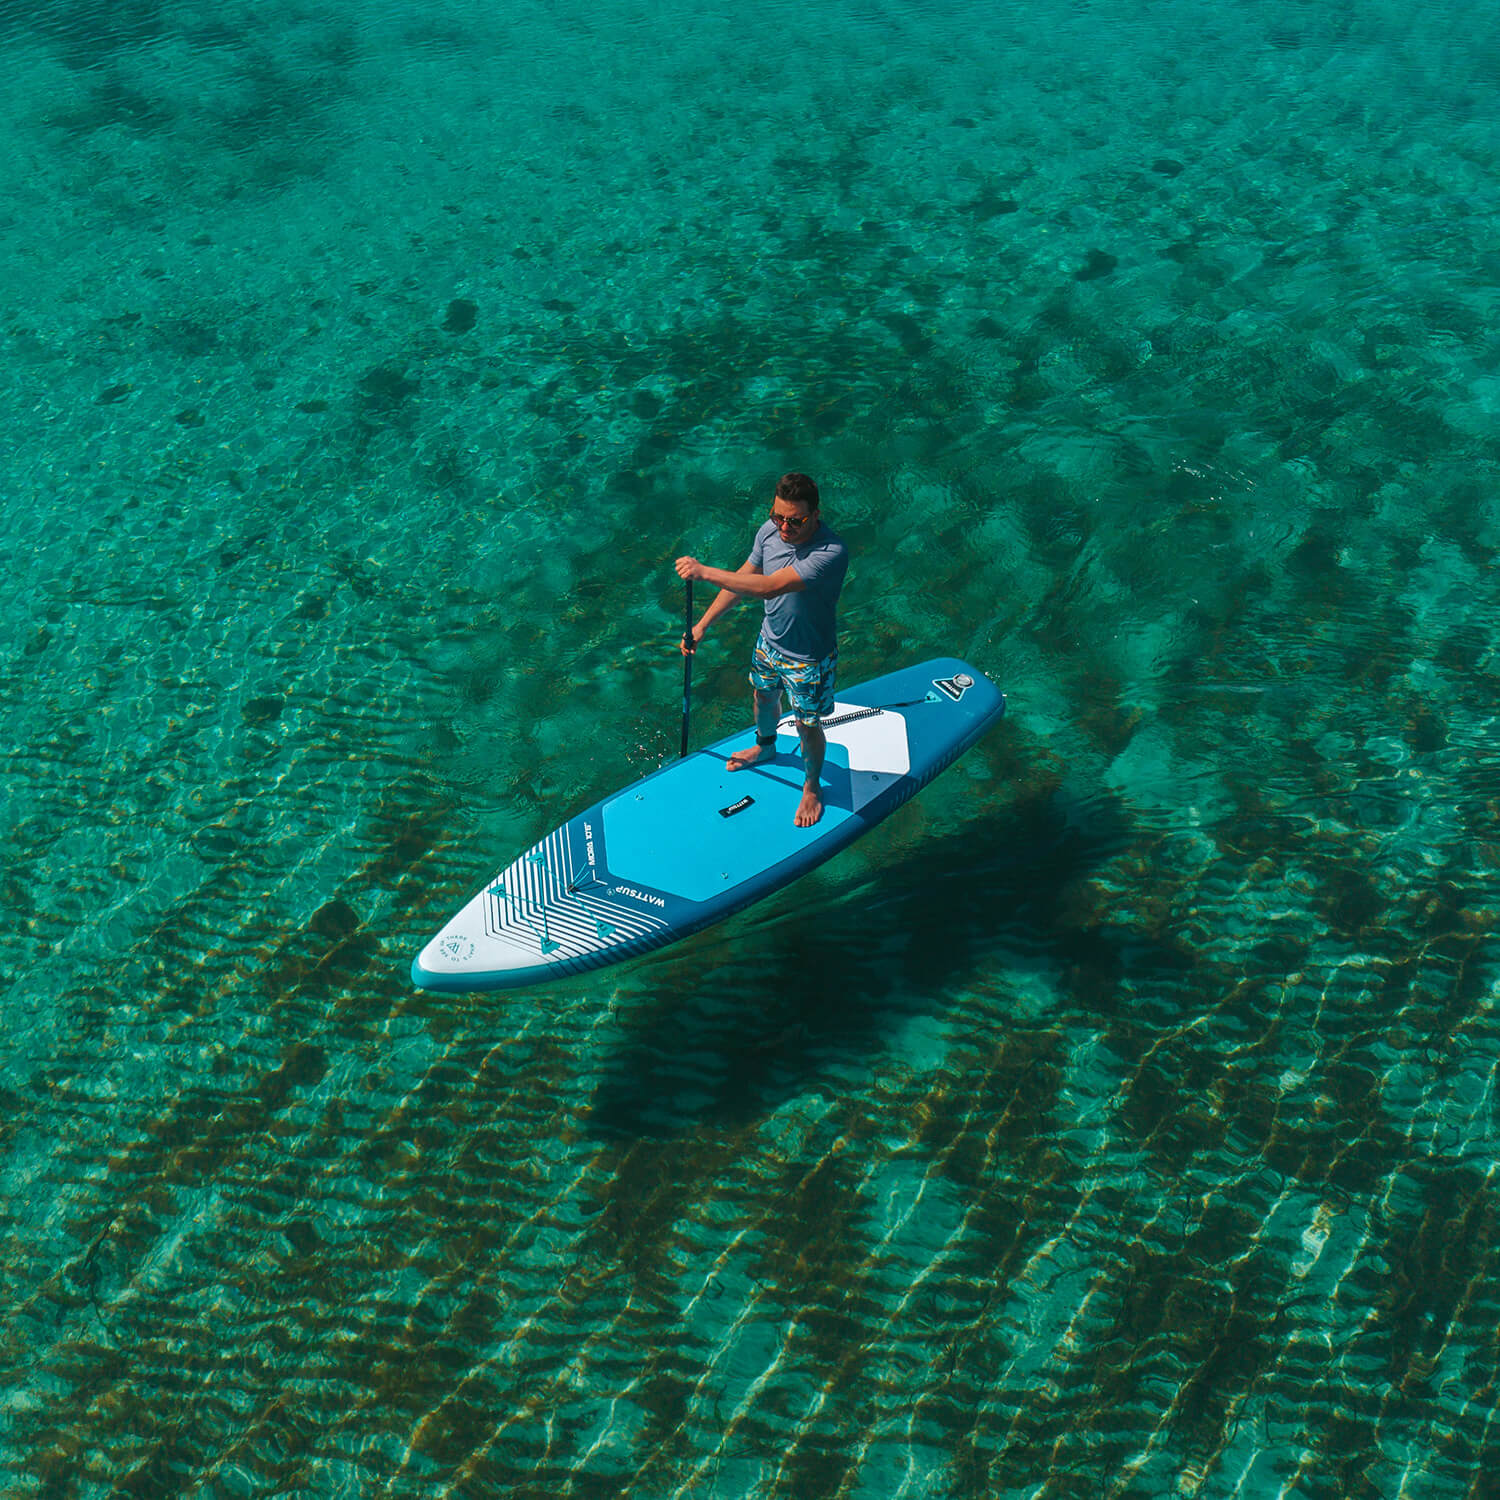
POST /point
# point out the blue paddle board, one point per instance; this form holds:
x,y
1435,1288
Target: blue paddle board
x,y
693,842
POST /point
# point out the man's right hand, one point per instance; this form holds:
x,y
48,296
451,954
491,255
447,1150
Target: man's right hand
x,y
690,643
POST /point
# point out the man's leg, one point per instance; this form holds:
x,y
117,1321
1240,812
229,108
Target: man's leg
x,y
812,695
814,744
767,712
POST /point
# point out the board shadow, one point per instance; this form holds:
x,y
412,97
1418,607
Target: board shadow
x,y
780,1003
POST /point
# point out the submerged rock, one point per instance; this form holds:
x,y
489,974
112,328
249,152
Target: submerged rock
x,y
1100,263
462,315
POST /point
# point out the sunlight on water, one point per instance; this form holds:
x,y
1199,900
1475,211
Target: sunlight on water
x,y
1119,1118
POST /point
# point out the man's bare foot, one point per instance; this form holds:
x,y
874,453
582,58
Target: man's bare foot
x,y
810,809
742,758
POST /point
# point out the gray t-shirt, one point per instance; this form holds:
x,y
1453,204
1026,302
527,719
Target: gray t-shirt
x,y
803,624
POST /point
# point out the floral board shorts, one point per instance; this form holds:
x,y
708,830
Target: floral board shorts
x,y
809,684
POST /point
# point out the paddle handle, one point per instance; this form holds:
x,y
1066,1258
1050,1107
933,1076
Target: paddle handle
x,y
687,666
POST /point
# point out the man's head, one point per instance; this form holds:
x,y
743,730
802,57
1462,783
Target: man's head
x,y
795,507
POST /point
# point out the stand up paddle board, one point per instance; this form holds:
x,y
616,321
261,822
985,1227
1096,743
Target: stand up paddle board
x,y
693,842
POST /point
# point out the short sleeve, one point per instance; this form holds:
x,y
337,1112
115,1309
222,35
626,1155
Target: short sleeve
x,y
827,564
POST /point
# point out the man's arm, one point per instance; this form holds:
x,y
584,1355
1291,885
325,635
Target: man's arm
x,y
722,602
748,581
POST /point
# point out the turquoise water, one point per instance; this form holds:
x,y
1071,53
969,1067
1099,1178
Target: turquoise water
x,y
1117,1120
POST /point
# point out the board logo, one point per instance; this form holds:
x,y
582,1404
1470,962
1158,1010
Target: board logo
x,y
645,896
457,950
954,687
736,807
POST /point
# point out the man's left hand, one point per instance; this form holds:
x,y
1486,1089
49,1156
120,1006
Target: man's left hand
x,y
689,567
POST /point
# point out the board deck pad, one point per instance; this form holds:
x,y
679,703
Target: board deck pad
x,y
694,842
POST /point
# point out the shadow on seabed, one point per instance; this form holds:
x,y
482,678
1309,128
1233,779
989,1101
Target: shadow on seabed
x,y
729,1038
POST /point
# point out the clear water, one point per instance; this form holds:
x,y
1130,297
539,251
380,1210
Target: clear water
x,y
1119,1119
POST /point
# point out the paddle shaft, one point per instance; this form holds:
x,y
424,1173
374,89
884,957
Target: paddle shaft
x,y
687,666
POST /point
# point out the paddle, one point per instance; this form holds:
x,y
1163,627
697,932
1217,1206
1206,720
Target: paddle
x,y
687,666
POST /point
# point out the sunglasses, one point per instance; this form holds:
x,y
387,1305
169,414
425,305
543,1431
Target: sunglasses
x,y
790,522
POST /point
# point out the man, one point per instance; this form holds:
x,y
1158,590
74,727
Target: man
x,y
797,568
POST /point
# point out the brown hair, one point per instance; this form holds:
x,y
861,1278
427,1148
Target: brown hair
x,y
797,489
